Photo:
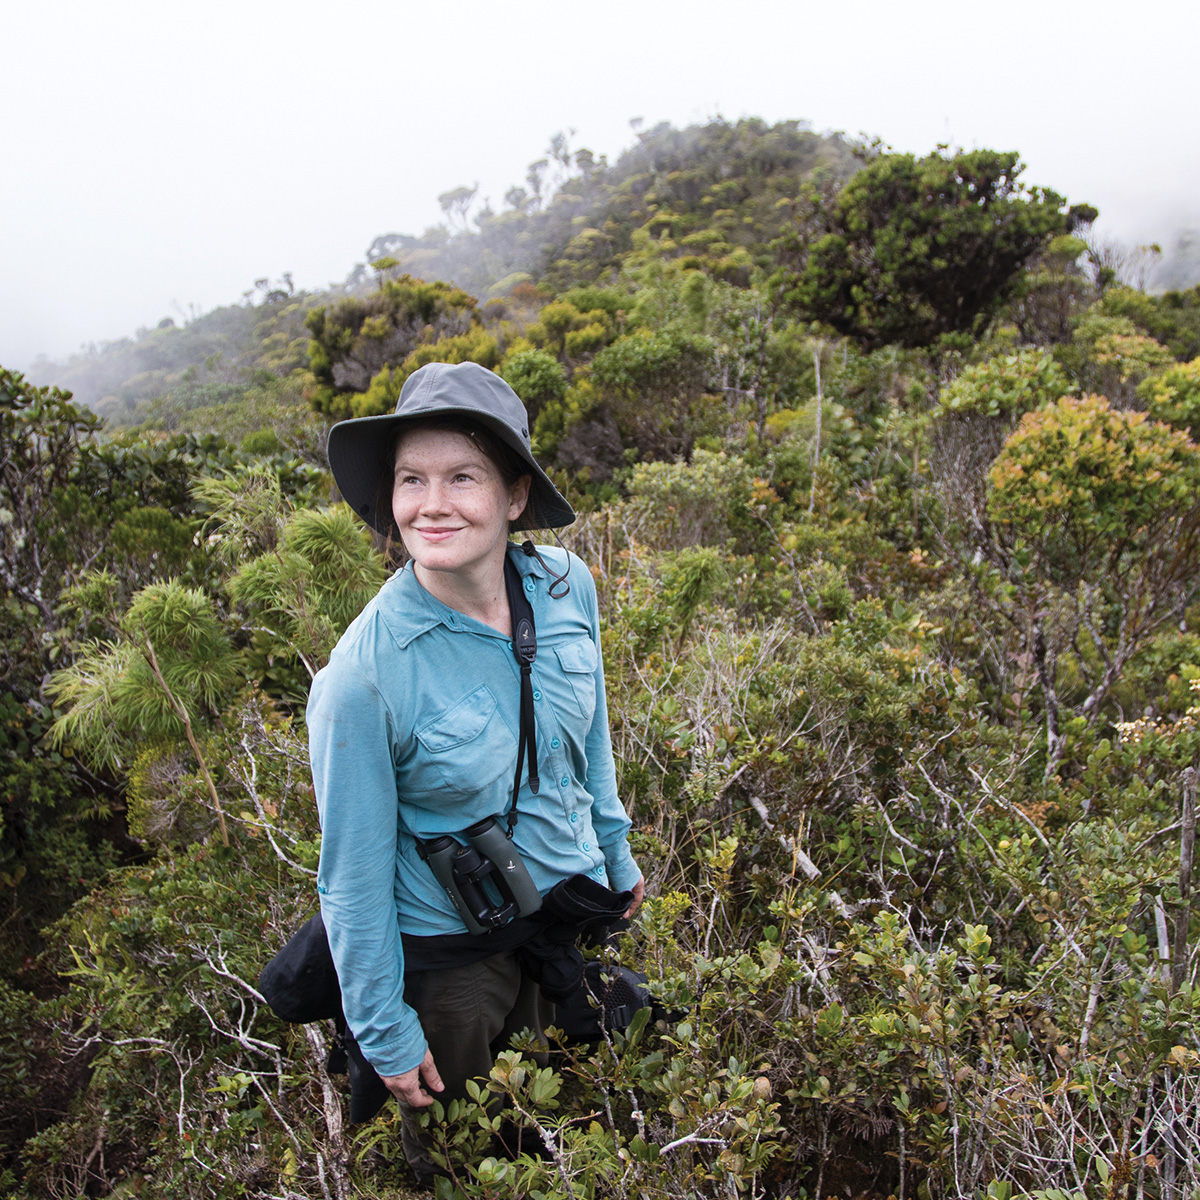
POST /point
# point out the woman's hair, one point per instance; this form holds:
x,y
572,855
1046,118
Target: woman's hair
x,y
502,456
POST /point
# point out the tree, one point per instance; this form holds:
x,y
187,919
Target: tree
x,y
68,502
164,679
302,593
455,204
357,337
1095,524
42,439
653,385
1172,318
476,345
1111,355
1054,289
537,377
976,414
914,249
169,671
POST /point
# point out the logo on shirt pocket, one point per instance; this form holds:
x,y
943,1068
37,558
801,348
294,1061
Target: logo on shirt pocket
x,y
467,746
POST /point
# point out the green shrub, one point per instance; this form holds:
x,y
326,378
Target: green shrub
x,y
537,377
1007,386
1173,395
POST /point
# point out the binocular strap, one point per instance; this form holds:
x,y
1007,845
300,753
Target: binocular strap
x,y
524,642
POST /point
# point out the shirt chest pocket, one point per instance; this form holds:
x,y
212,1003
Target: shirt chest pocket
x,y
578,661
464,749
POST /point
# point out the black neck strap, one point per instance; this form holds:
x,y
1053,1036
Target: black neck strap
x,y
524,644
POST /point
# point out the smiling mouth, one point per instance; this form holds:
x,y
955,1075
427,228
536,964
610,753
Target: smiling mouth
x,y
436,535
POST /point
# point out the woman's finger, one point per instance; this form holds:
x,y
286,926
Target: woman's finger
x,y
429,1073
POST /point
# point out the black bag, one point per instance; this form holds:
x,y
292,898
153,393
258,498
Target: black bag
x,y
300,984
606,1000
587,906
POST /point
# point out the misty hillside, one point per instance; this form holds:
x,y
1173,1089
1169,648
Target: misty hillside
x,y
718,193
712,198
721,192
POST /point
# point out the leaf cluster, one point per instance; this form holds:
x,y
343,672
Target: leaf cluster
x,y
913,250
1086,485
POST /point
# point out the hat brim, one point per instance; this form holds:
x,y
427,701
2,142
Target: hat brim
x,y
357,457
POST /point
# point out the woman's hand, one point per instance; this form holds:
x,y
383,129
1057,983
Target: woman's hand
x,y
407,1087
639,890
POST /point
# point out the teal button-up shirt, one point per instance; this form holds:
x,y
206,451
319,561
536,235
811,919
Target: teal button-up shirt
x,y
413,731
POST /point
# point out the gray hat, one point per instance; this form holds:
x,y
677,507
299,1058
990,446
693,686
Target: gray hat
x,y
357,448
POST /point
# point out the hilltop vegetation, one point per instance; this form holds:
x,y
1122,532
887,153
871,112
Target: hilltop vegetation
x,y
891,491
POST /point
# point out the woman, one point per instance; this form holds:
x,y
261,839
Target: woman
x,y
415,732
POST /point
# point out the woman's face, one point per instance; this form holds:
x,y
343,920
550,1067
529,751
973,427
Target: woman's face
x,y
452,506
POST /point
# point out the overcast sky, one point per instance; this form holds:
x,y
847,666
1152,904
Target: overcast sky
x,y
159,157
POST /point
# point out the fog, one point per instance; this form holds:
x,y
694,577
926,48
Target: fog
x,y
159,159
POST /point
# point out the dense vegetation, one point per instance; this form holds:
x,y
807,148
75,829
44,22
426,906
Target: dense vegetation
x,y
892,497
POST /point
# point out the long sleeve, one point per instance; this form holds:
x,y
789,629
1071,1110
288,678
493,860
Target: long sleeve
x,y
350,746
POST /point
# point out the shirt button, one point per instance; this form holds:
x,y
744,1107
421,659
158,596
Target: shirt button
x,y
555,743
564,782
529,586
587,845
574,818
537,695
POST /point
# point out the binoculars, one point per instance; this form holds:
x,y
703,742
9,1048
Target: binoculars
x,y
486,880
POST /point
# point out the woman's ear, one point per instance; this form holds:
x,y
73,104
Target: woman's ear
x,y
519,496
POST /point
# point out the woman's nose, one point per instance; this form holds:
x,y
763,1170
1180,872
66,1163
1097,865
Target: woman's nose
x,y
434,498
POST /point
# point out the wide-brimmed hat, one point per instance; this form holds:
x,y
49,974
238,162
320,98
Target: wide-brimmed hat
x,y
358,448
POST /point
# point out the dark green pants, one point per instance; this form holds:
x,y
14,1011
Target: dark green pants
x,y
469,1014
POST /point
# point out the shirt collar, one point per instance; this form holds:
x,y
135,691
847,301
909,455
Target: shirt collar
x,y
410,610
407,608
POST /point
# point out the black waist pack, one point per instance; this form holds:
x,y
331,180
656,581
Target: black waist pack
x,y
300,984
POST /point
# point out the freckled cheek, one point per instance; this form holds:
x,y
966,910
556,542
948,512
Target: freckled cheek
x,y
402,508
